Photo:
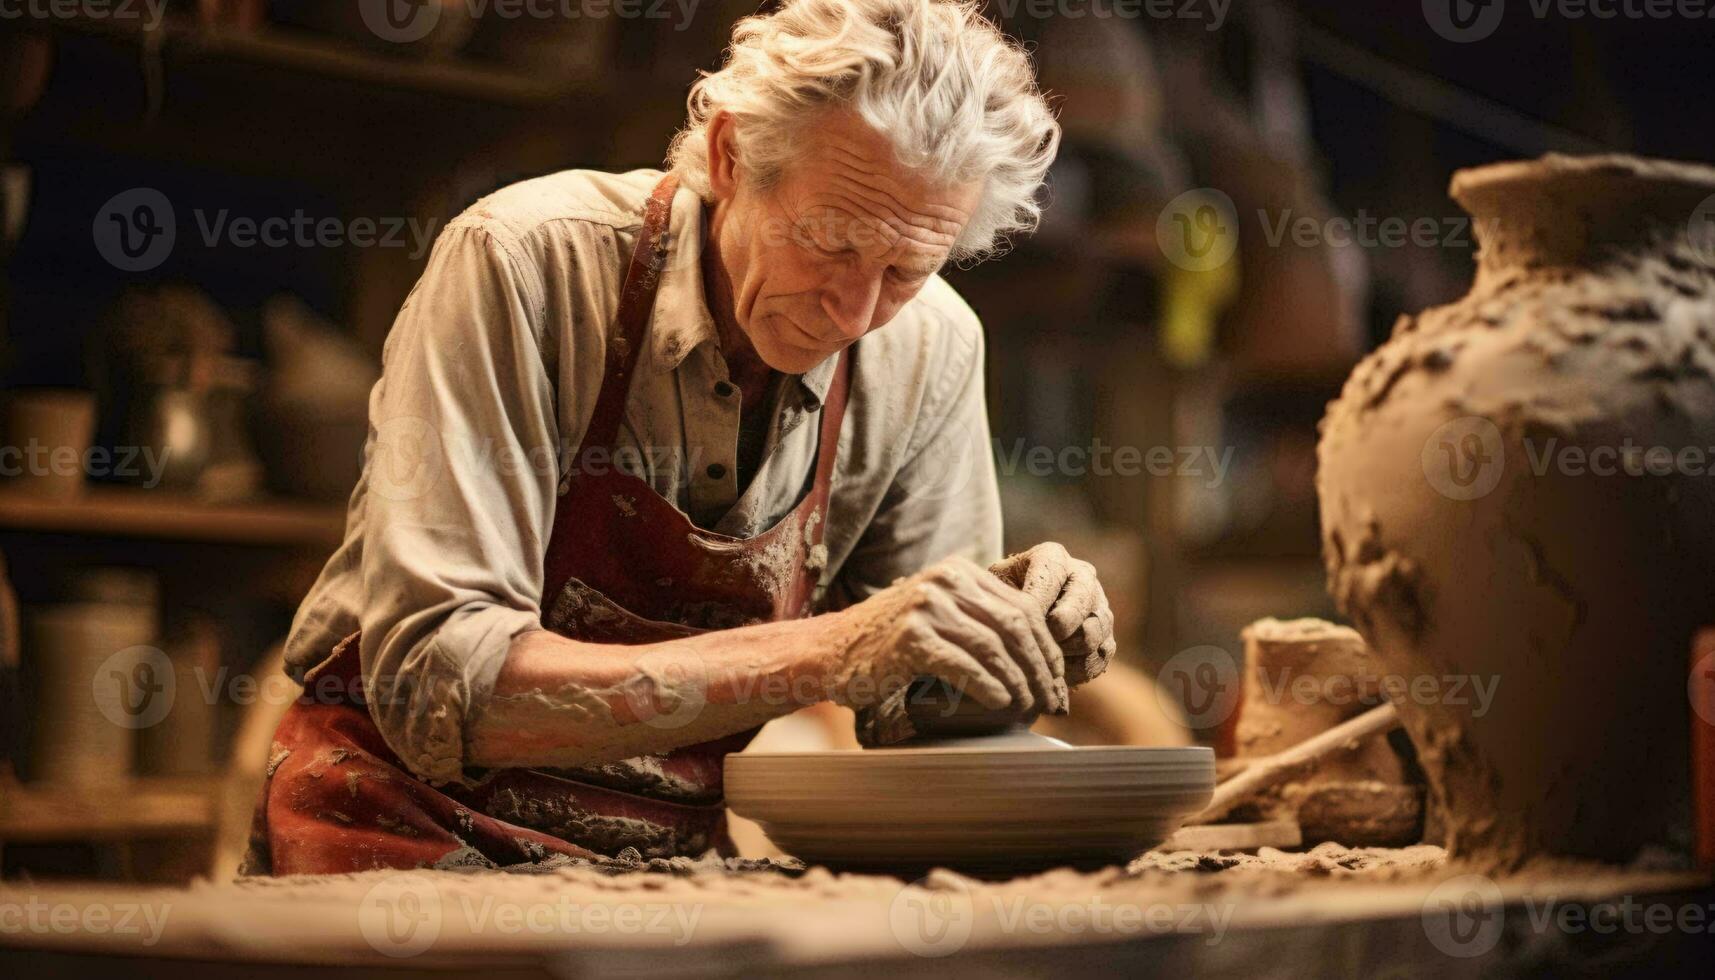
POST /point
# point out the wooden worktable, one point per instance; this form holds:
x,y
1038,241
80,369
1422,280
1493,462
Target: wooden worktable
x,y
1369,913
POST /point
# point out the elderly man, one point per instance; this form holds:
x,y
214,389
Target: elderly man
x,y
635,429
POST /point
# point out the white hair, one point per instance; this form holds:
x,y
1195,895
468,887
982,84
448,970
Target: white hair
x,y
957,98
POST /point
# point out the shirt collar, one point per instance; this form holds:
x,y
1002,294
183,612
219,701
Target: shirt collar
x,y
680,321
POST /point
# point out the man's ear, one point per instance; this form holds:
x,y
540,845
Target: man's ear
x,y
723,157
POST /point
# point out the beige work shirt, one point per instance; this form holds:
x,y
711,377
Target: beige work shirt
x,y
490,376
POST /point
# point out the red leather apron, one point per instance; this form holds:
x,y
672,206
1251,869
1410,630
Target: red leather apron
x,y
623,566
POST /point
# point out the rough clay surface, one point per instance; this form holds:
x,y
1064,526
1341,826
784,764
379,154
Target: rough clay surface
x,y
1154,877
1463,546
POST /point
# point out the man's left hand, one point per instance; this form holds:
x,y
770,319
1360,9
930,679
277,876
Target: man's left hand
x,y
1078,613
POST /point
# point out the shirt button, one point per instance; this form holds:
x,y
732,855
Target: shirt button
x,y
716,471
724,389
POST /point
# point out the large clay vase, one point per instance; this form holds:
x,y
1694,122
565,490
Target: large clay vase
x,y
1470,545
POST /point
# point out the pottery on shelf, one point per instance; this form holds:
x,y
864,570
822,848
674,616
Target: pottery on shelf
x,y
1515,492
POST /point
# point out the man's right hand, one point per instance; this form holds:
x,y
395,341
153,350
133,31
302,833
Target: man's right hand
x,y
959,622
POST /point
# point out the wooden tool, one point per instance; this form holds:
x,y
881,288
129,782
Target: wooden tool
x,y
1272,770
1235,837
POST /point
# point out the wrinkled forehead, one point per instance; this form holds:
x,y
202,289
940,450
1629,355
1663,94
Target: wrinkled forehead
x,y
846,174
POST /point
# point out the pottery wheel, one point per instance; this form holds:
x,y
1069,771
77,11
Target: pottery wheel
x,y
984,806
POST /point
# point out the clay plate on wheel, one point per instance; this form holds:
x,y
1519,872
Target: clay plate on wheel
x,y
992,809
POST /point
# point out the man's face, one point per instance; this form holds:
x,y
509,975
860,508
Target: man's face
x,y
836,247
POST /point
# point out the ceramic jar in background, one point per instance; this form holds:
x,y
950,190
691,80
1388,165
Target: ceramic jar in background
x,y
99,679
48,435
1496,508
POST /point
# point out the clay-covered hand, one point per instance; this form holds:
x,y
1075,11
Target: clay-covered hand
x,y
1078,613
957,622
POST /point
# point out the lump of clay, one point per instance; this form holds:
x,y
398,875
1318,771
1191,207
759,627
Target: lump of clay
x,y
1497,508
1303,677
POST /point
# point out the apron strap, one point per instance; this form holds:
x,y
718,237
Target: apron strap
x,y
631,324
636,302
828,442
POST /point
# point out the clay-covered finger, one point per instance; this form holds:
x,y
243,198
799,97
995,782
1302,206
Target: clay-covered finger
x,y
1018,618
1097,629
1045,576
1105,613
1080,599
997,610
1084,641
1064,694
1089,652
976,637
959,669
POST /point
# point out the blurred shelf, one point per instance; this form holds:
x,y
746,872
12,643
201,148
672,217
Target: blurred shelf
x,y
141,808
115,512
309,53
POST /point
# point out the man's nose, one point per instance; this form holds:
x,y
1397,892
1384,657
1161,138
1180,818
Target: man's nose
x,y
850,300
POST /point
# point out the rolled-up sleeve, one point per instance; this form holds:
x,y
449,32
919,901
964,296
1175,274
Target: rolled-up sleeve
x,y
944,500
459,495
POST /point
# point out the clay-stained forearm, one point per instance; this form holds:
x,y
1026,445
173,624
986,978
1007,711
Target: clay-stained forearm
x,y
565,703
